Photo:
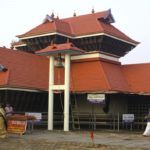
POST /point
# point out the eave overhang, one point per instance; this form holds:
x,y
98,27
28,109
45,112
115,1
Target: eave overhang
x,y
21,89
79,36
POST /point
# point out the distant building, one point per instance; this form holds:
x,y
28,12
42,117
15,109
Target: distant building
x,y
125,88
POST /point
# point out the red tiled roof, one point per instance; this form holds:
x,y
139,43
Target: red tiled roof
x,y
115,77
90,24
4,78
88,76
31,71
56,48
25,70
97,76
138,77
79,26
49,27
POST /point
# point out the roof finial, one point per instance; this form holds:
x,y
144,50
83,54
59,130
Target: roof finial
x,y
57,16
52,15
93,11
74,14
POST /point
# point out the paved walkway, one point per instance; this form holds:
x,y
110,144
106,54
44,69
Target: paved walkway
x,y
80,140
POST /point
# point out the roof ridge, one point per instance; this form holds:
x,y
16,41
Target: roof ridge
x,y
83,15
64,22
105,77
125,78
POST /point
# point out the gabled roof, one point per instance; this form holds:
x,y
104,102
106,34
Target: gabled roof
x,y
84,25
107,18
60,48
24,70
92,24
49,27
138,77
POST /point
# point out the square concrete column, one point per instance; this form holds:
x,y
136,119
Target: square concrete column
x,y
50,96
67,92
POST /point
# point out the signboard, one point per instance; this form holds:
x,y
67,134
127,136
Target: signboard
x,y
17,126
128,118
96,98
37,115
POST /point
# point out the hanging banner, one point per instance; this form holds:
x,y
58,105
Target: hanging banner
x,y
96,98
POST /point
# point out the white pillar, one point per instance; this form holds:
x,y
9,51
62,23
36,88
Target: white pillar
x,y
66,92
50,99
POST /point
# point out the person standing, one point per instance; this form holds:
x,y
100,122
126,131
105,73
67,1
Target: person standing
x,y
2,122
8,110
147,129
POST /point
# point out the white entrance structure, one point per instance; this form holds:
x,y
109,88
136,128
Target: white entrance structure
x,y
65,87
53,51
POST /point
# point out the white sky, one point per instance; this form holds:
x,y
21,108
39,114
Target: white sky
x,y
131,16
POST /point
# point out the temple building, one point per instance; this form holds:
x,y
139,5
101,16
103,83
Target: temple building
x,y
69,69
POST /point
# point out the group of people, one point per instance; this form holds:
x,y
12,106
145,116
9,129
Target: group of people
x,y
5,112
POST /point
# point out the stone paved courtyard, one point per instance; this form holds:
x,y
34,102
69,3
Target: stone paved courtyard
x,y
76,140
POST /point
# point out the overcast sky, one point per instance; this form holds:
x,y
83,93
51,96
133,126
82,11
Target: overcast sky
x,y
131,16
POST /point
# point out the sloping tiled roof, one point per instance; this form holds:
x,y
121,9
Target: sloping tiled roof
x,y
31,71
60,48
25,70
138,77
79,26
106,76
91,24
4,76
115,77
97,76
49,27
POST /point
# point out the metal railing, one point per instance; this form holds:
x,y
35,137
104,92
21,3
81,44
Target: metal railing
x,y
94,121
